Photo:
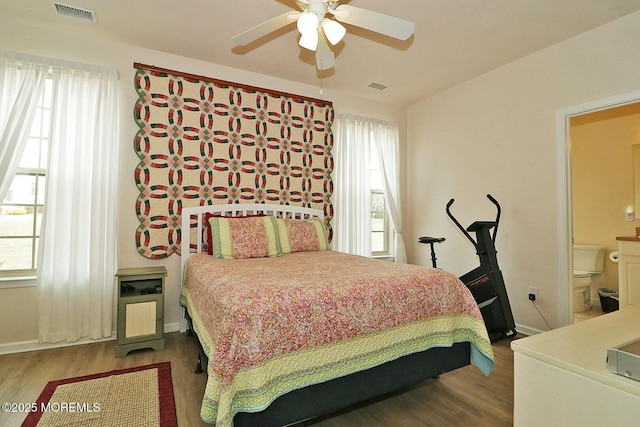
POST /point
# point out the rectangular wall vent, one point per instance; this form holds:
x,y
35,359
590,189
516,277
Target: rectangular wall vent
x,y
75,12
378,86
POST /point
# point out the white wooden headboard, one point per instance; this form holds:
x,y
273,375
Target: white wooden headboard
x,y
198,213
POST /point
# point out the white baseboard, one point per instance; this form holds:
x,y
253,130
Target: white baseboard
x,y
172,327
34,345
526,330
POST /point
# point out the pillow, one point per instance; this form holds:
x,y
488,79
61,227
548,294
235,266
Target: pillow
x,y
250,237
208,216
302,235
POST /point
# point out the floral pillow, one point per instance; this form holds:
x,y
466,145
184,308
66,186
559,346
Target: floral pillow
x,y
302,235
207,217
249,237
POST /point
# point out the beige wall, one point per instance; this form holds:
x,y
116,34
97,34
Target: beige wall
x,y
602,181
497,134
18,306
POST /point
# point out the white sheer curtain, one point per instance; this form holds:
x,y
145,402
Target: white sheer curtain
x,y
386,137
352,228
77,251
21,85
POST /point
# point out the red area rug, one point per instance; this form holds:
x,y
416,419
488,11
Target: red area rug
x,y
140,396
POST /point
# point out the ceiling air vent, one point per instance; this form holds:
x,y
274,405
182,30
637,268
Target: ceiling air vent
x,y
378,86
75,12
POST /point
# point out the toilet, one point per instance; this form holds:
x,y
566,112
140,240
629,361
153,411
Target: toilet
x,y
587,261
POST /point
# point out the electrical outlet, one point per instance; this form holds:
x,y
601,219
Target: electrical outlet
x,y
533,293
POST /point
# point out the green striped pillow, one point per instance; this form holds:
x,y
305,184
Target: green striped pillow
x,y
236,238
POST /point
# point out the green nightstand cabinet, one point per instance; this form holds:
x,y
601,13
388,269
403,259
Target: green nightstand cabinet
x,y
140,309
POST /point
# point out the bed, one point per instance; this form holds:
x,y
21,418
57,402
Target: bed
x,y
291,330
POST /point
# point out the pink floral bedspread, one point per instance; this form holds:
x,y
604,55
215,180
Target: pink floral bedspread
x,y
257,315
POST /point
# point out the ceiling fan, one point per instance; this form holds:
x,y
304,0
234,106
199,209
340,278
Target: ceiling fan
x,y
318,30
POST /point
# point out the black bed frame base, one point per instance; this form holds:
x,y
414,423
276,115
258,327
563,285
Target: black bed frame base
x,y
324,398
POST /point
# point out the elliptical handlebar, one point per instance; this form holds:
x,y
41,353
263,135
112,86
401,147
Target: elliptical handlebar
x,y
466,233
495,229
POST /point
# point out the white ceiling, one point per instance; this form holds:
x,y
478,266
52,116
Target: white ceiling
x,y
454,40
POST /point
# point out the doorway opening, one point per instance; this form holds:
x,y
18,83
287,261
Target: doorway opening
x,y
578,114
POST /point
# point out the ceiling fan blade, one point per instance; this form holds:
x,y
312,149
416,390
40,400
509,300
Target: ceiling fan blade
x,y
265,28
325,59
374,21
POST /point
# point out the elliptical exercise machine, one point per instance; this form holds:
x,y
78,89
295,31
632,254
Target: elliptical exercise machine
x,y
485,282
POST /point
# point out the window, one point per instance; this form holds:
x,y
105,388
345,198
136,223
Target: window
x,y
21,210
379,217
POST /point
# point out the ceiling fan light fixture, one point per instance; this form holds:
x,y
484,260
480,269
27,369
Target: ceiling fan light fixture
x,y
309,40
308,23
320,26
334,31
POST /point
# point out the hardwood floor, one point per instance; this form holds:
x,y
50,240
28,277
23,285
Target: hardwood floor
x,y
464,397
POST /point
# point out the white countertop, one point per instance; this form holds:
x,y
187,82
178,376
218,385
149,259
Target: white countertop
x,y
581,348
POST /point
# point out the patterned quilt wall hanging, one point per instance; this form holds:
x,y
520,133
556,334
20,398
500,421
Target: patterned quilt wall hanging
x,y
204,141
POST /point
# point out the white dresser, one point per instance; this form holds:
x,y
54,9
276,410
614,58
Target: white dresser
x,y
561,377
